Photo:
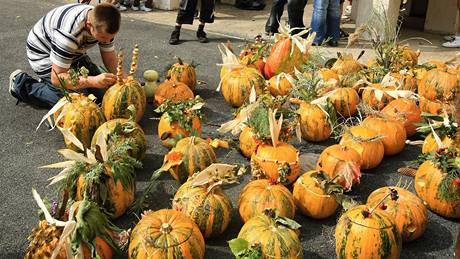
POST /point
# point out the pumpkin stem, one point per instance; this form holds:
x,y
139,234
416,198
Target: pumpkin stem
x,y
166,228
120,67
134,60
179,60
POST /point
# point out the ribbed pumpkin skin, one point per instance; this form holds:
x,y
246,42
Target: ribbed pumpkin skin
x,y
120,199
237,84
276,241
314,124
82,117
279,85
345,66
408,211
260,194
370,99
371,151
433,107
405,110
247,144
311,199
372,237
149,241
332,156
137,134
184,73
172,90
119,97
283,59
197,154
211,211
394,133
345,101
427,181
269,158
439,84
175,131
430,145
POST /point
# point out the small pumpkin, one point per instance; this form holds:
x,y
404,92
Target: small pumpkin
x,y
166,234
280,84
184,73
315,124
367,143
406,111
173,91
345,101
392,131
262,194
434,107
439,85
248,143
408,211
376,97
346,65
238,85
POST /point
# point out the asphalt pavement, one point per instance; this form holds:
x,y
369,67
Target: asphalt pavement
x,y
24,149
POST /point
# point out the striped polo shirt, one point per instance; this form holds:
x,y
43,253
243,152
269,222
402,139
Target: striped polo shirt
x,y
59,38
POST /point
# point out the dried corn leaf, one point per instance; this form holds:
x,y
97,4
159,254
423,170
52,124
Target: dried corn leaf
x,y
213,172
71,137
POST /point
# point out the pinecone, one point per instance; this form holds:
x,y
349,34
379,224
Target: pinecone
x,y
43,240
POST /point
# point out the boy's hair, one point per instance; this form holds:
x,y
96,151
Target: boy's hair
x,y
106,18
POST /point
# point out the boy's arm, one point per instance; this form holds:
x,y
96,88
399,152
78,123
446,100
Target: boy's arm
x,y
103,80
110,61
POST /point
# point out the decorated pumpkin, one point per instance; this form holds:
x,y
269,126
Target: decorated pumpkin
x,y
173,91
166,234
439,85
184,73
433,107
376,96
315,122
280,84
392,131
238,85
346,65
406,111
124,93
248,143
345,101
430,144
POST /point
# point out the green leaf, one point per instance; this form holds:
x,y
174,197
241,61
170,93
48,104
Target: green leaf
x,y
238,245
242,250
287,222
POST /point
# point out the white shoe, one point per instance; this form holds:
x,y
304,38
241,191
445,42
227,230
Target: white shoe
x,y
452,44
121,7
449,37
145,9
135,8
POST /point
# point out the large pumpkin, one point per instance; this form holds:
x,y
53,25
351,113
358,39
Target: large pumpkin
x,y
367,143
408,211
196,154
184,73
427,184
345,101
280,163
82,116
284,57
439,85
274,239
171,131
280,84
362,235
393,132
262,194
248,144
337,160
172,90
314,122
405,110
124,129
210,209
311,199
236,85
166,234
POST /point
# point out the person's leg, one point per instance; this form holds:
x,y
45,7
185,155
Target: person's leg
x,y
184,16
295,13
455,41
333,22
272,24
318,20
206,16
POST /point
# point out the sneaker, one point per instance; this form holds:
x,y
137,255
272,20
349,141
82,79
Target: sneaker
x,y
12,87
135,8
174,40
121,8
452,44
201,35
145,8
449,37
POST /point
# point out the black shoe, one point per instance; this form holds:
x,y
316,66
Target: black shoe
x,y
174,40
12,88
343,34
201,35
333,43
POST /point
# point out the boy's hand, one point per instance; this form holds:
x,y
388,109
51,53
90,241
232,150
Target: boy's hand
x,y
104,80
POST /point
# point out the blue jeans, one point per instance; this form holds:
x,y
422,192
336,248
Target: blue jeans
x,y
326,20
42,93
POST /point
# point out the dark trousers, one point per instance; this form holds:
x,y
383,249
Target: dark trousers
x,y
295,10
187,10
147,3
42,93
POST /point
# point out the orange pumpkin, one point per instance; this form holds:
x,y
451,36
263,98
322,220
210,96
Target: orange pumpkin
x,y
346,65
166,234
427,181
248,144
280,163
430,144
439,85
433,107
408,211
184,73
237,85
393,132
314,122
376,97
345,101
406,111
284,57
172,90
406,81
170,131
280,84
367,143
311,199
407,58
360,236
336,160
262,194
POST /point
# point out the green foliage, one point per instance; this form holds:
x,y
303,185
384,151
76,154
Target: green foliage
x,y
442,126
182,111
242,250
330,187
258,121
306,87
